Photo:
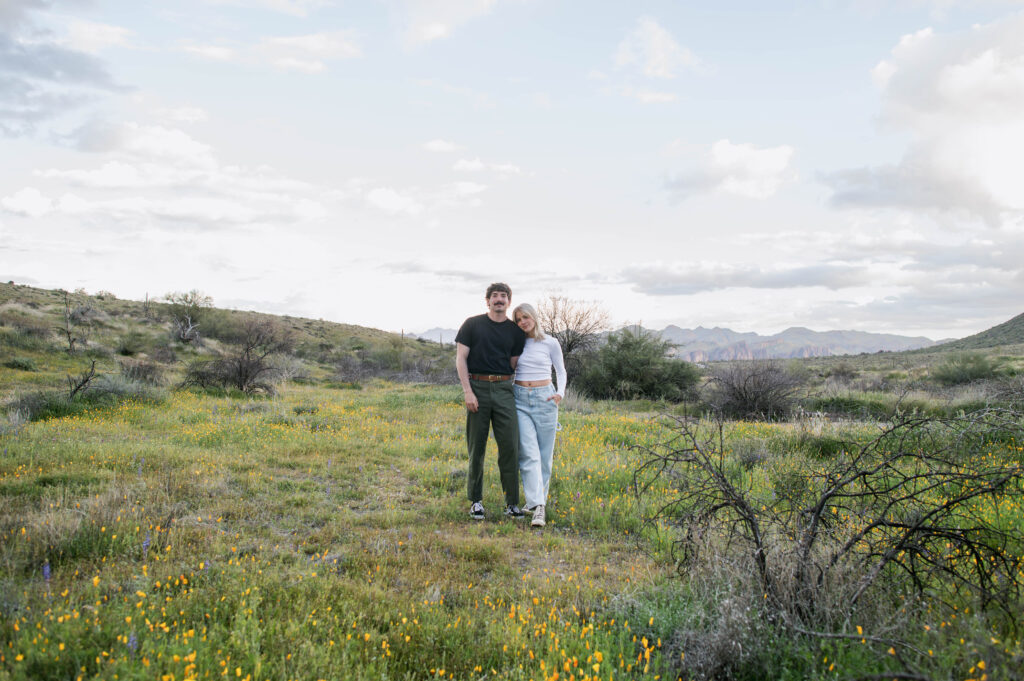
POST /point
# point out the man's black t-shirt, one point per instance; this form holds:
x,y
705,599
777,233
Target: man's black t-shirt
x,y
491,344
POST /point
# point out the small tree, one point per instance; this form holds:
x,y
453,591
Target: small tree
x,y
249,368
187,311
67,329
752,389
577,326
634,364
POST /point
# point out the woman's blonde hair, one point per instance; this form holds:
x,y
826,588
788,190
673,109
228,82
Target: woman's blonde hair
x,y
527,309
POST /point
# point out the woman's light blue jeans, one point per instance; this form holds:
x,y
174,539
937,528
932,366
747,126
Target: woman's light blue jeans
x,y
538,421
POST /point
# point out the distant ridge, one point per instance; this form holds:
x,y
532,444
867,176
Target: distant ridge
x,y
1008,333
703,345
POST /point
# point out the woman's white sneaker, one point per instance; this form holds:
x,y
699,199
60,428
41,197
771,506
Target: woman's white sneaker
x,y
538,516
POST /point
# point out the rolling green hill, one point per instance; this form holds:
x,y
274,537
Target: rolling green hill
x,y
114,333
1008,333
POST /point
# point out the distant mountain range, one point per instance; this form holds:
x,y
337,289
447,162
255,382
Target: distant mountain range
x,y
704,345
438,335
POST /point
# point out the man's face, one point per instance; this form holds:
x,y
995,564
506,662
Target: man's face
x,y
498,302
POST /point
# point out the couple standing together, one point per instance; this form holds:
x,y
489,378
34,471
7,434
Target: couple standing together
x,y
504,366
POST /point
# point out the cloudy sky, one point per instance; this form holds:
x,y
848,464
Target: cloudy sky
x,y
835,164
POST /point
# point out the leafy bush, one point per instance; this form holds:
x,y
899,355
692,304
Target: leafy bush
x,y
31,327
110,389
964,368
141,371
752,389
39,406
18,340
843,371
635,365
21,363
132,343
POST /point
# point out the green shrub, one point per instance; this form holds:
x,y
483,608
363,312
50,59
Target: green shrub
x,y
132,343
17,339
964,368
863,405
141,371
40,406
223,325
843,371
634,365
22,364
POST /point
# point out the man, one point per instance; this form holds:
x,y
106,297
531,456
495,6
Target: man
x,y
487,348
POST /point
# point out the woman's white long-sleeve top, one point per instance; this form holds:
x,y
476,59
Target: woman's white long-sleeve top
x,y
538,357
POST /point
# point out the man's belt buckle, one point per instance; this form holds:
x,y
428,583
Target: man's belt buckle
x,y
490,377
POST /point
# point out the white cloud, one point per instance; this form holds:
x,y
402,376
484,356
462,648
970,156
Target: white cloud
x,y
214,52
306,53
92,37
392,202
416,201
184,114
648,96
425,21
475,165
309,52
960,96
469,188
161,177
469,165
441,146
697,277
652,49
29,202
145,142
738,169
298,8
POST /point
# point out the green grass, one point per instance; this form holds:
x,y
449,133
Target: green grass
x,y
323,532
320,534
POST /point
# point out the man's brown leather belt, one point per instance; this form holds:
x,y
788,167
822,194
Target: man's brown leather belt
x,y
490,377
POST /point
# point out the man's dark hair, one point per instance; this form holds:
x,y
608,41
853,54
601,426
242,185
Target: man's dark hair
x,y
498,286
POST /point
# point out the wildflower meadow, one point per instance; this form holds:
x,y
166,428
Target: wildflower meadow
x,y
323,533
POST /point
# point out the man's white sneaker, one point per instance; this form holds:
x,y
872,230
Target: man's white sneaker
x,y
476,511
538,516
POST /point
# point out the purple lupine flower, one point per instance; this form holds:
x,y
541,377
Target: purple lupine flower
x,y
145,543
133,643
46,571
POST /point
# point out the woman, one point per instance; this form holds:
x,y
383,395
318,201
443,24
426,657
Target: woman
x,y
537,408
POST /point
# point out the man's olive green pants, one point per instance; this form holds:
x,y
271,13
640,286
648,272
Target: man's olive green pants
x,y
497,409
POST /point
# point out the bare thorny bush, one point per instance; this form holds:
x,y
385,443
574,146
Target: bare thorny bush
x,y
878,533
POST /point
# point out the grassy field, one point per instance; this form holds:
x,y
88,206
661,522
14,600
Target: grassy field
x,y
323,534
150,531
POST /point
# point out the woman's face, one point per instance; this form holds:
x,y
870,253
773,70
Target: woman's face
x,y
525,322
